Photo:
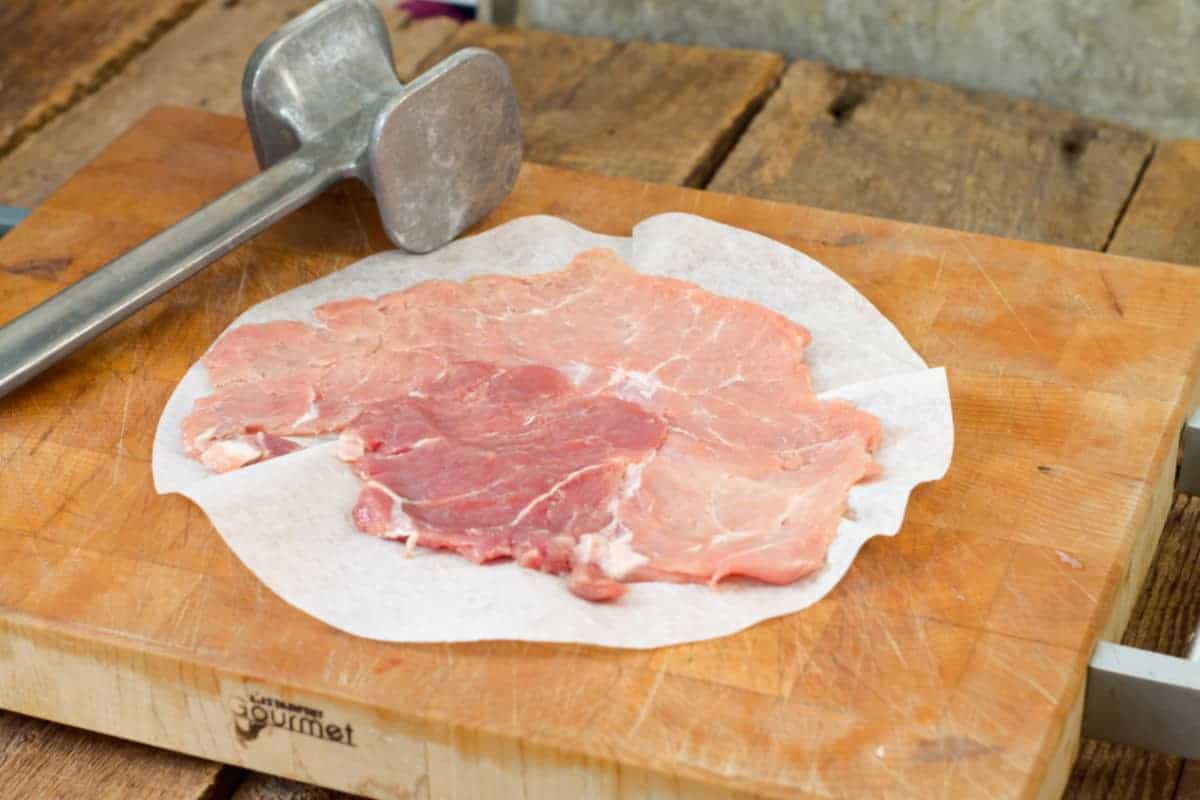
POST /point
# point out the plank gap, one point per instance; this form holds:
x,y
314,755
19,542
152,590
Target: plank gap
x,y
229,777
1137,182
105,72
925,152
725,143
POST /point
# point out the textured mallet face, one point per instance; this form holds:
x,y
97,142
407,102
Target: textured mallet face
x,y
446,151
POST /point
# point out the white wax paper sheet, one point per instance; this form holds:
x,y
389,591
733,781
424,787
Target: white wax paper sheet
x,y
288,519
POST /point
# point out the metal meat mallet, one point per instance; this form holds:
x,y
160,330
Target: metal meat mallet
x,y
323,103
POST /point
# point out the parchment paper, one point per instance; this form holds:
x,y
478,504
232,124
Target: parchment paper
x,y
288,519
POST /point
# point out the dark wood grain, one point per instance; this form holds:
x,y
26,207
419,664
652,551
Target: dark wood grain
x,y
656,112
39,759
52,53
924,152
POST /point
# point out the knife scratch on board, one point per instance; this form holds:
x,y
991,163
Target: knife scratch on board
x,y
197,599
1026,678
120,454
996,288
647,701
578,691
1082,589
895,647
241,289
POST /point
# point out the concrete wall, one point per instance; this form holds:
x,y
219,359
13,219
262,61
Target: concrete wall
x,y
1136,61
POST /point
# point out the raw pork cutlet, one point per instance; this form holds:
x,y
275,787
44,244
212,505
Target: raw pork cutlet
x,y
498,463
750,478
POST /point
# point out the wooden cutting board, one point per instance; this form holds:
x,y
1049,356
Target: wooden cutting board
x,y
949,662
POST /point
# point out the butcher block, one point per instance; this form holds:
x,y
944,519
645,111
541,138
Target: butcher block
x,y
949,663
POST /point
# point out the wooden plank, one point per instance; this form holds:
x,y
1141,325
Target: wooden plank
x,y
1163,219
929,153
855,120
42,759
199,63
257,786
736,79
53,53
655,112
413,44
492,784
1164,620
979,695
1160,223
1106,771
1189,782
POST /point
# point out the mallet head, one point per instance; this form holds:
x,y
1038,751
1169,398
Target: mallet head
x,y
439,153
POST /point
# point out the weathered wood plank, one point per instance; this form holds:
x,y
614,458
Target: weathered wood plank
x,y
41,759
656,112
257,786
52,53
209,79
1189,782
546,66
1161,222
1028,432
264,781
1163,620
1106,771
1163,219
1166,610
199,63
928,153
924,152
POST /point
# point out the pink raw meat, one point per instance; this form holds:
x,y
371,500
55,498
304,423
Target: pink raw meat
x,y
593,421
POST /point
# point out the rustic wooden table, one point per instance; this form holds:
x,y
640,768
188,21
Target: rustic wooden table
x,y
732,120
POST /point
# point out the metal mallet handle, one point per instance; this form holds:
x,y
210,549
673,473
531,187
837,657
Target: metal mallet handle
x,y
49,332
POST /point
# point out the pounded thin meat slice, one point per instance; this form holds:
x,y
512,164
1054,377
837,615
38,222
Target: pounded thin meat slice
x,y
500,463
697,517
509,417
279,405
269,350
